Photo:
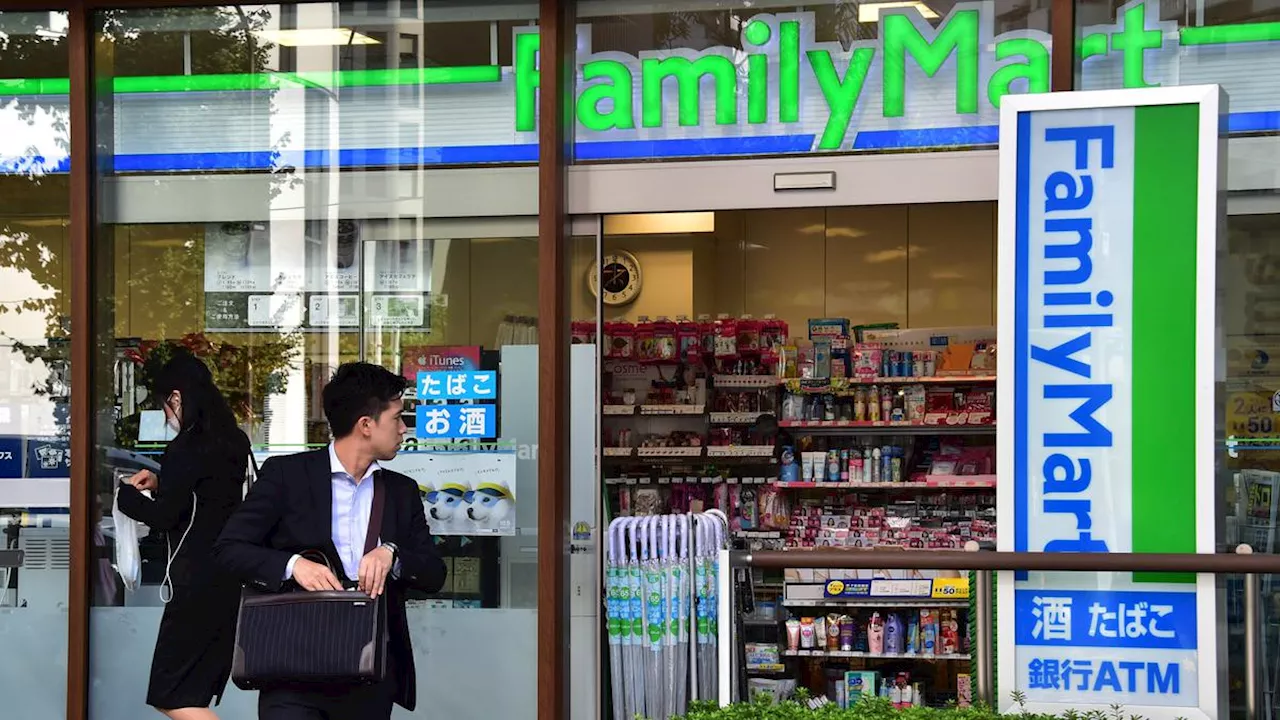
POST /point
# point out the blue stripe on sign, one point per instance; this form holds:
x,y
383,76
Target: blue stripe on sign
x,y
932,137
1247,122
1022,241
693,147
261,160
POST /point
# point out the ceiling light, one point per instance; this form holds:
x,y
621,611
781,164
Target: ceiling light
x,y
870,12
314,37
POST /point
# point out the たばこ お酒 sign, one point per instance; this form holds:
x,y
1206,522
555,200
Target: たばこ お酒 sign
x,y
1109,204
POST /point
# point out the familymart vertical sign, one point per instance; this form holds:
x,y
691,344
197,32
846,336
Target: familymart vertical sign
x,y
1109,203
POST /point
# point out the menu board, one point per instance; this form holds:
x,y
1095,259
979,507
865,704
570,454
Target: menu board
x,y
310,275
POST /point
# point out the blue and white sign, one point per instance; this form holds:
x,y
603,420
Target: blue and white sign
x,y
456,422
11,457
469,385
1109,207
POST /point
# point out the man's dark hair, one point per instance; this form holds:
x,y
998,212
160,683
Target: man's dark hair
x,y
357,390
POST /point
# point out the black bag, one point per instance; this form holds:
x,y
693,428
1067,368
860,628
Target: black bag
x,y
300,638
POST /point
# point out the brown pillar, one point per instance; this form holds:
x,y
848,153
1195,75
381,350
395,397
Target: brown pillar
x,y
1062,29
80,46
554,139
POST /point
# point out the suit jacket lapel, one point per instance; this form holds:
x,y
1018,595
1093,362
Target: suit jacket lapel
x,y
320,477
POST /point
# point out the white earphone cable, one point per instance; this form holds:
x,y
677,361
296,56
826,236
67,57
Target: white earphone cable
x,y
173,553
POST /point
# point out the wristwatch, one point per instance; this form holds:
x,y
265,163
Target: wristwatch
x,y
395,549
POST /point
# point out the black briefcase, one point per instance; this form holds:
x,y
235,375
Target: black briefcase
x,y
300,638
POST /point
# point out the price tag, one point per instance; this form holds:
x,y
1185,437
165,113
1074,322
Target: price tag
x,y
1252,414
950,589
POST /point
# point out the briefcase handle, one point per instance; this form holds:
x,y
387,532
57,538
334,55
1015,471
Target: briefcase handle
x,y
319,557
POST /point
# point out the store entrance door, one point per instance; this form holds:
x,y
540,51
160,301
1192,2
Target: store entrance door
x,y
728,300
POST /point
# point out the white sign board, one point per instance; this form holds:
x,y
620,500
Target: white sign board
x,y
1109,205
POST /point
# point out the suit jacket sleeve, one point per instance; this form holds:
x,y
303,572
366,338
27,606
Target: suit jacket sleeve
x,y
179,473
242,549
420,564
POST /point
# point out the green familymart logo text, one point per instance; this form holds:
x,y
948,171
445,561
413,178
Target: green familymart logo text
x,y
780,67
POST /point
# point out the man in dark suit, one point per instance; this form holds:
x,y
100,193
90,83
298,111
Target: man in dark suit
x,y
322,500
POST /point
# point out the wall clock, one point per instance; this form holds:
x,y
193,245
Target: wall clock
x,y
619,276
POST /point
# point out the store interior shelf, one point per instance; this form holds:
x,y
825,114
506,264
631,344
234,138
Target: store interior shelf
x,y
851,427
745,382
823,386
673,409
875,656
618,409
734,418
932,482
877,603
686,480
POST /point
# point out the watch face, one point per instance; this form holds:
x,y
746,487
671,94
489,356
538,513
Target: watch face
x,y
616,277
619,281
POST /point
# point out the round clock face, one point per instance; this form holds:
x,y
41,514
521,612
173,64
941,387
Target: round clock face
x,y
619,281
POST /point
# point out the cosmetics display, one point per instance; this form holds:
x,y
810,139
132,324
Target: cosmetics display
x,y
852,436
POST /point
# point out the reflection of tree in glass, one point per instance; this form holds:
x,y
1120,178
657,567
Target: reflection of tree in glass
x,y
146,42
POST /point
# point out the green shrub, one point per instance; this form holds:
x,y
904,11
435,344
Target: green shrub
x,y
876,708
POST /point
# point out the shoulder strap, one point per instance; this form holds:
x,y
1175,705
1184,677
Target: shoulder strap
x,y
375,513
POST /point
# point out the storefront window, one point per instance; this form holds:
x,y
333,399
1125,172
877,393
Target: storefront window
x,y
717,79
1250,457
1152,43
1149,43
325,237
34,327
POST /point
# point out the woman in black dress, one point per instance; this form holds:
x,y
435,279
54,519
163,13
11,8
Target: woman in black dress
x,y
201,482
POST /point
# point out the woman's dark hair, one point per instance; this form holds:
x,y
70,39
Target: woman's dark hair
x,y
359,390
206,416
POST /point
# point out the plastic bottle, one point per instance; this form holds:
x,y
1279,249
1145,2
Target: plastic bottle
x,y
875,465
873,404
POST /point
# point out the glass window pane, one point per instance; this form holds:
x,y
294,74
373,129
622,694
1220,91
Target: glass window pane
x,y
1251,294
34,327
1177,42
275,219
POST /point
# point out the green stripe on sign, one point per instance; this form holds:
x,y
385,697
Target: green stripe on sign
x,y
1166,155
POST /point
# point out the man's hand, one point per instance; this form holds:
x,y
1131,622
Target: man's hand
x,y
374,569
314,576
144,480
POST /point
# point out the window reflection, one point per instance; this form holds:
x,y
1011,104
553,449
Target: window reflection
x,y
34,389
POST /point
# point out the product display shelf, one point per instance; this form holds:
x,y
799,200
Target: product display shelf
x,y
833,654
932,482
686,480
673,409
875,603
734,418
745,382
867,427
843,385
